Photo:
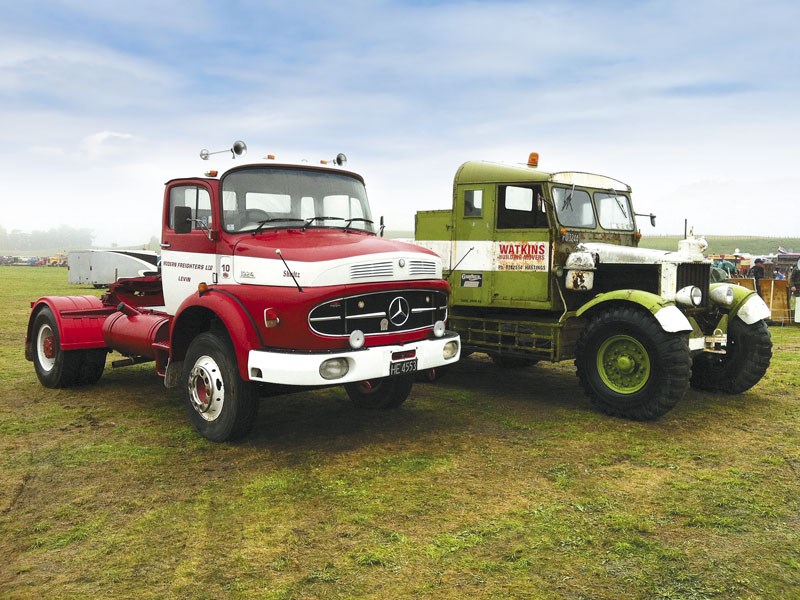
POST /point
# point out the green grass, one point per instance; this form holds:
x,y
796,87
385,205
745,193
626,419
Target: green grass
x,y
489,484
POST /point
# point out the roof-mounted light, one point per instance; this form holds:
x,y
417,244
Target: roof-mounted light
x,y
533,159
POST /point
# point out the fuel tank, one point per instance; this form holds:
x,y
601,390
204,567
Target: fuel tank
x,y
134,333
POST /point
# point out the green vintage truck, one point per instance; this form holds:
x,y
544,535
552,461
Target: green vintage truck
x,y
547,266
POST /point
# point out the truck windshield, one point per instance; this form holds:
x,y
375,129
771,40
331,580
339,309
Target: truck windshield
x,y
614,211
264,198
574,207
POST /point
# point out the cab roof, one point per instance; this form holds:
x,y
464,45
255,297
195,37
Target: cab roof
x,y
474,172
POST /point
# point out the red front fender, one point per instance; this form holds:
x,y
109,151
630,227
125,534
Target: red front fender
x,y
215,308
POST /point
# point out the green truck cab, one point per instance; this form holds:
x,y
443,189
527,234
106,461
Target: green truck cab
x,y
547,266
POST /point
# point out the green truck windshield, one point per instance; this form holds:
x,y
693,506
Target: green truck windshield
x,y
575,208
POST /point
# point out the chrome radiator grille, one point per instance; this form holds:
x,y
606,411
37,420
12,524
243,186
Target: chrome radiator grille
x,y
380,312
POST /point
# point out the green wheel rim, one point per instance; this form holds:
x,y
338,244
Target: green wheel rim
x,y
623,364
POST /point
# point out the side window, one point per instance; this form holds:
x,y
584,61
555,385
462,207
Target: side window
x,y
520,207
473,203
194,197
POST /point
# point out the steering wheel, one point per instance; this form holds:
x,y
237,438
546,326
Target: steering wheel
x,y
253,216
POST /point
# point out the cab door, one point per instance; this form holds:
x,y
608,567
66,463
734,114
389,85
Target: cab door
x,y
471,254
522,247
187,258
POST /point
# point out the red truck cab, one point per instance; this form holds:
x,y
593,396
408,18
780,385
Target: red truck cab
x,y
271,275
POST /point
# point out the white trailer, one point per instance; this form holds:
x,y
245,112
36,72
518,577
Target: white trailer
x,y
103,267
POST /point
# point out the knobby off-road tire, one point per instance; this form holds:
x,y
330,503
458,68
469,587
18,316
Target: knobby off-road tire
x,y
745,363
630,367
383,393
221,405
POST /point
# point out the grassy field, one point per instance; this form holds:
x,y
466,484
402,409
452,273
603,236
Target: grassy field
x,y
489,484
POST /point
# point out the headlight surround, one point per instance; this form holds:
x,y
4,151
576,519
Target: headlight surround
x,y
691,296
450,349
334,368
722,295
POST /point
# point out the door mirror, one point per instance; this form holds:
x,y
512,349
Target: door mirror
x,y
182,219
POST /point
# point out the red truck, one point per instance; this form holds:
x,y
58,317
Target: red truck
x,y
272,277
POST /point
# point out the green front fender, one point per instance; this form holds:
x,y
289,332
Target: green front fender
x,y
666,313
747,304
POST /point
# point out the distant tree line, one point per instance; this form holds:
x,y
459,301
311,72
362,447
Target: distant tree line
x,y
52,240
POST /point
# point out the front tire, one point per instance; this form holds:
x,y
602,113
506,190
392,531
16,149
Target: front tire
x,y
630,367
221,405
383,393
743,365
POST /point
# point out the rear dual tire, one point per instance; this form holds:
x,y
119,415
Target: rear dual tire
x,y
57,368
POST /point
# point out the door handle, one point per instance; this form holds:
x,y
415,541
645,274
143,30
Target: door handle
x,y
165,244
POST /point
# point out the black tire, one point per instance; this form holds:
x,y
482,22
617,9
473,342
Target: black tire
x,y
55,368
744,364
221,405
630,367
432,375
93,362
383,393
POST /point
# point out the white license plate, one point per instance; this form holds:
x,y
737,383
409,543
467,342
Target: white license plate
x,y
406,366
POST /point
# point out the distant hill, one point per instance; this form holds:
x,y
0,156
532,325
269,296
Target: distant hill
x,y
718,244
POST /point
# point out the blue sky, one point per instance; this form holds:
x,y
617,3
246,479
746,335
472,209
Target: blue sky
x,y
694,104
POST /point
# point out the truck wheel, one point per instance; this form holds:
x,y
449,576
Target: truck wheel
x,y
743,366
221,405
630,367
386,392
55,368
93,362
431,375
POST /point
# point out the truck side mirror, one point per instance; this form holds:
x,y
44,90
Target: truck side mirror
x,y
182,219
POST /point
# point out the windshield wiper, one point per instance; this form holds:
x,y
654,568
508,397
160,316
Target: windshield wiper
x,y
619,203
568,200
310,220
360,219
276,220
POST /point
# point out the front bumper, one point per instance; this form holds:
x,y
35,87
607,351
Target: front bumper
x,y
295,368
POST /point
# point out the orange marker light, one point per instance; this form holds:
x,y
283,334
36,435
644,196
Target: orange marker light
x,y
533,159
212,173
638,235
271,318
202,287
563,231
270,157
